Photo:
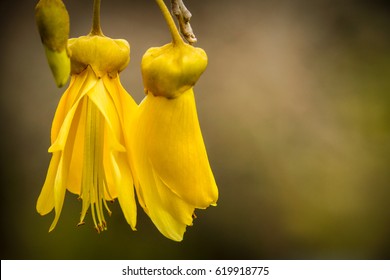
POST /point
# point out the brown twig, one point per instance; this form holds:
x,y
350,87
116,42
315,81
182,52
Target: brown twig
x,y
183,16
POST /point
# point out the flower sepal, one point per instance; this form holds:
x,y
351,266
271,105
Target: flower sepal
x,y
172,69
103,54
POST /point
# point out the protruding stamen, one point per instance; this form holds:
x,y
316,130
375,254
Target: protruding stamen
x,y
93,179
107,208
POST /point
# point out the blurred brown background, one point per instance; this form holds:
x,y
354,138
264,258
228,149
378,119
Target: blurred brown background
x,y
294,108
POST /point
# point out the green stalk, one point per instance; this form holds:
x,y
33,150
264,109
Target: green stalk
x,y
96,29
176,38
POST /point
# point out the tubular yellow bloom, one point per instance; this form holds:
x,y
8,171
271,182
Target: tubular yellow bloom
x,y
172,172
88,143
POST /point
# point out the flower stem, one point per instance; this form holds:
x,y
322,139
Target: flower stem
x,y
176,38
96,29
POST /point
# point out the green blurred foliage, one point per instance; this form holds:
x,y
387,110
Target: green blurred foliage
x,y
294,108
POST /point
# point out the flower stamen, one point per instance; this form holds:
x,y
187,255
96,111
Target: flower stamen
x,y
93,179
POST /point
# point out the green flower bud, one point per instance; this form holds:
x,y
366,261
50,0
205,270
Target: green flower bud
x,y
59,63
53,24
172,69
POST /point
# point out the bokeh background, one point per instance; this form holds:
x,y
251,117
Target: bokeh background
x,y
295,113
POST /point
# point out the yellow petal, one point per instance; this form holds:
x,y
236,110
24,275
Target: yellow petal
x,y
106,106
126,109
175,148
118,104
170,214
62,109
59,193
45,201
68,99
123,180
124,103
77,153
173,175
82,86
63,170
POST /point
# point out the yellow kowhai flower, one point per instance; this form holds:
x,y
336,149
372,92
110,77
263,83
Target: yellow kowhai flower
x,y
172,172
89,157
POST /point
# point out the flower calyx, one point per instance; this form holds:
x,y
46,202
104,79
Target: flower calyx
x,y
103,54
172,69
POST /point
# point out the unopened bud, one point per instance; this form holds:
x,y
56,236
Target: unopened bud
x,y
53,24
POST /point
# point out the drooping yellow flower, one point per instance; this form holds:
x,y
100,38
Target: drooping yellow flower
x,y
89,157
172,172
